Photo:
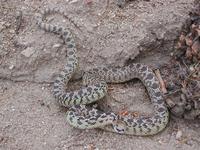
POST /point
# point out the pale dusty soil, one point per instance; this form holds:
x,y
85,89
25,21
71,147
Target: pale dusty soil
x,y
106,35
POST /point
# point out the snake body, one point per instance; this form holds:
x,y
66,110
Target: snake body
x,y
95,88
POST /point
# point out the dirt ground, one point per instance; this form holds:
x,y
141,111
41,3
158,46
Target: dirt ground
x,y
142,31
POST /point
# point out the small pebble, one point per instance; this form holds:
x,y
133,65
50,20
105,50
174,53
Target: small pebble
x,y
11,67
191,68
160,141
179,134
170,103
178,110
56,45
12,31
73,1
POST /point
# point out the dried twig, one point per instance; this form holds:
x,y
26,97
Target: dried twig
x,y
18,21
189,77
162,84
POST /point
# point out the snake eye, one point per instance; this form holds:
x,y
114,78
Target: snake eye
x,y
119,128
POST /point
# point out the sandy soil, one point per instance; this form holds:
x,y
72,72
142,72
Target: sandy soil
x,y
106,35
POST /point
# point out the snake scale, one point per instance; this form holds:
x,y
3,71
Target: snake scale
x,y
95,88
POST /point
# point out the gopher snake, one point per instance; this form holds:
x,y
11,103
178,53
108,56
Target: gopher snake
x,y
95,80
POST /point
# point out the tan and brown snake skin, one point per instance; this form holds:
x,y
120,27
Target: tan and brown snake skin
x,y
95,80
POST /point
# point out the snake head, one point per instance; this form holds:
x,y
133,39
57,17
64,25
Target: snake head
x,y
119,126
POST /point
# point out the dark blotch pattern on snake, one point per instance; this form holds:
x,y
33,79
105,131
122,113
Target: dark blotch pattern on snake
x,y
95,80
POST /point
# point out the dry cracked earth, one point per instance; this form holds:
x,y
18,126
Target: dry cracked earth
x,y
142,31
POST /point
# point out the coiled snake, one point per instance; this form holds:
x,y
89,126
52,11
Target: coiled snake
x,y
95,80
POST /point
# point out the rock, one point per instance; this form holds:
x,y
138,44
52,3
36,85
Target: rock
x,y
57,45
11,67
179,134
178,110
73,1
28,52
